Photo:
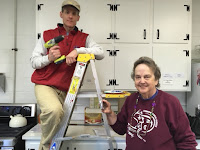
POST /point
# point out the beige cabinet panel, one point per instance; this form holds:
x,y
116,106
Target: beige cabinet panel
x,y
47,15
127,30
96,19
124,61
175,65
133,21
171,21
105,71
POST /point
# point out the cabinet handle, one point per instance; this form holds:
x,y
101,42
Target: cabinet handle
x,y
145,34
158,33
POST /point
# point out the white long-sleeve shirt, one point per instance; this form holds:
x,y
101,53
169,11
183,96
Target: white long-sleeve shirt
x,y
39,58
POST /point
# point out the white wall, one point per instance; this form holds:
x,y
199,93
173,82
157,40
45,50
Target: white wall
x,y
193,97
195,30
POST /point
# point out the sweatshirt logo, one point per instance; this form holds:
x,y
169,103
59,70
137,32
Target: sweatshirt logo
x,y
141,124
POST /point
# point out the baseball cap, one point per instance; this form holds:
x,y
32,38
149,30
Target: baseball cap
x,y
72,3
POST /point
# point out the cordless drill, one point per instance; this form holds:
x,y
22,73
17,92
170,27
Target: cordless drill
x,y
54,42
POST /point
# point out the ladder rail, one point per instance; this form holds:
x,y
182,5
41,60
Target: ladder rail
x,y
71,98
69,104
106,126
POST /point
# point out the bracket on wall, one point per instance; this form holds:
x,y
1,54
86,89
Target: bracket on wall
x,y
2,81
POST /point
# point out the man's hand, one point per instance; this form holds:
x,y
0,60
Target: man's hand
x,y
54,53
71,57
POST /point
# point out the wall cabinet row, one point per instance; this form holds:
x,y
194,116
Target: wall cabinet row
x,y
114,71
127,30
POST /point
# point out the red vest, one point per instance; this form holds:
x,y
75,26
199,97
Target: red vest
x,y
60,75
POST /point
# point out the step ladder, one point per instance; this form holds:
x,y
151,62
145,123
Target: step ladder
x,y
82,61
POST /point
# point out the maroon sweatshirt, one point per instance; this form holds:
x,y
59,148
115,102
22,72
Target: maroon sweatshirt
x,y
167,129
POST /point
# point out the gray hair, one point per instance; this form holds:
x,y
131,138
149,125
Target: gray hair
x,y
151,64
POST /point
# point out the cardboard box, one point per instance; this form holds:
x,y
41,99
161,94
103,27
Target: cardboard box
x,y
93,116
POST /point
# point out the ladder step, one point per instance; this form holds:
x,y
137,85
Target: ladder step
x,y
84,136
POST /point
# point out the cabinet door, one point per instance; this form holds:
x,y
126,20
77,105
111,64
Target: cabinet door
x,y
95,19
90,145
124,61
7,30
105,71
48,15
133,21
172,21
175,65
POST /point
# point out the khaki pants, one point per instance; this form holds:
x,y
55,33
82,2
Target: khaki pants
x,y
51,102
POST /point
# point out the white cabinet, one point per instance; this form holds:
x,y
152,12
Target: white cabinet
x,y
171,21
126,56
95,19
171,44
114,71
32,144
93,145
104,68
132,23
47,15
129,29
175,63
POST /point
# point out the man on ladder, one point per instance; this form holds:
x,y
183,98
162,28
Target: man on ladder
x,y
52,81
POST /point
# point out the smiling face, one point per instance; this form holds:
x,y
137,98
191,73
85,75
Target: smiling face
x,y
145,81
70,16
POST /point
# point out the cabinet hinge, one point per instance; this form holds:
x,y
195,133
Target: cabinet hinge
x,y
112,82
113,7
187,37
187,7
39,6
39,35
187,53
186,83
112,52
113,36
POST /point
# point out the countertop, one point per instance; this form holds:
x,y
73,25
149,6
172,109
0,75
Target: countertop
x,y
76,132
